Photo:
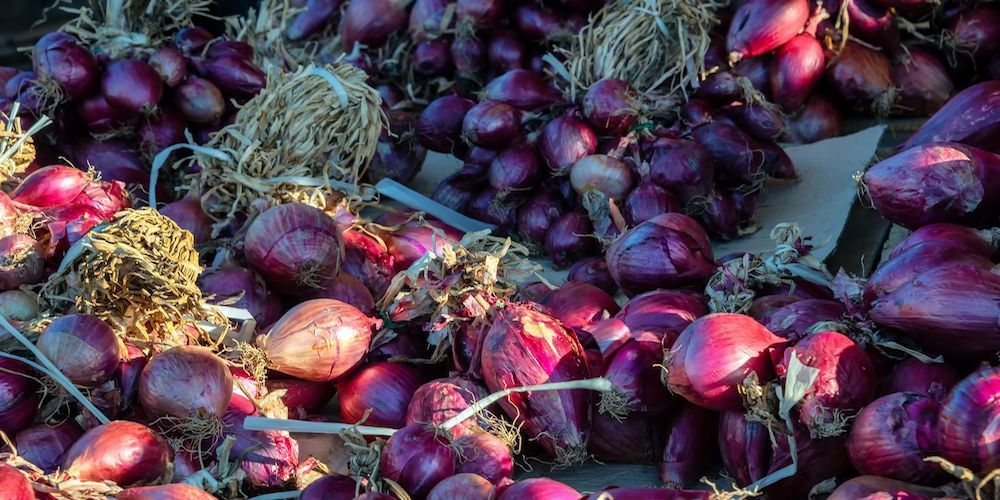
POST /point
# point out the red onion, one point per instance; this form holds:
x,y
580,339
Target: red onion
x,y
269,458
565,140
630,440
129,370
819,119
481,13
349,290
610,105
21,261
99,116
468,54
593,271
760,122
684,167
528,347
463,485
569,239
234,48
19,396
795,320
491,124
131,85
317,16
185,382
439,127
760,26
713,356
873,24
932,380
18,305
232,281
432,58
745,447
633,368
301,396
45,446
235,76
367,259
188,213
84,348
720,218
58,56
892,436
646,201
192,39
978,242
15,484
577,304
667,251
439,400
294,247
967,423
756,70
50,186
536,217
170,64
199,100
177,491
689,429
602,174
696,112
940,182
738,158
901,269
158,132
417,458
505,52
370,22
970,117
122,452
514,169
541,487
385,388
456,190
398,158
862,77
330,487
875,488
427,19
721,87
114,160
923,83
975,32
332,335
411,241
661,315
486,455
524,89
763,308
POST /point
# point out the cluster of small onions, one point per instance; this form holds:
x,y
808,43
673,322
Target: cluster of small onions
x,y
116,114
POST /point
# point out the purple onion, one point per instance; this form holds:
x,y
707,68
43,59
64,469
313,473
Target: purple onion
x,y
439,127
495,208
131,85
114,160
491,124
417,458
684,167
539,23
397,156
631,440
370,22
524,89
192,39
432,58
199,100
46,445
795,320
923,83
757,71
796,69
157,132
610,106
696,113
468,54
873,24
892,435
317,16
667,251
594,271
427,20
570,238
646,201
235,76
536,217
481,13
720,218
170,64
505,51
933,380
456,190
59,57
738,158
565,140
234,281
819,119
760,122
514,169
99,116
528,489
349,290
661,315
684,455
486,455
20,397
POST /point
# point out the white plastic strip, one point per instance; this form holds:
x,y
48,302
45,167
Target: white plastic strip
x,y
289,425
417,201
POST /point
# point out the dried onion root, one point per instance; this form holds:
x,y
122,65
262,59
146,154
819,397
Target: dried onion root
x,y
303,133
138,271
122,27
264,28
17,150
657,46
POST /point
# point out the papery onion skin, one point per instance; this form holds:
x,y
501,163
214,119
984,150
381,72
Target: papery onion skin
x,y
602,174
689,429
661,315
967,423
384,387
515,168
414,239
980,242
529,347
269,457
59,56
969,117
417,458
933,380
185,382
667,251
891,437
21,261
877,488
548,489
294,247
713,356
438,400
368,259
318,340
177,491
484,454
760,26
83,347
646,201
235,76
15,484
123,452
462,485
349,290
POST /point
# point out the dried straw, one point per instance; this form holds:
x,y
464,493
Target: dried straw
x,y
138,272
306,133
657,46
264,29
17,150
123,27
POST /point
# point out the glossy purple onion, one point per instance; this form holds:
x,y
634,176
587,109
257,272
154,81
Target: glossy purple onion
x,y
569,239
492,125
417,458
131,85
667,251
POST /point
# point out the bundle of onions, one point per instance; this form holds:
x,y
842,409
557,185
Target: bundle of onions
x,y
331,335
124,452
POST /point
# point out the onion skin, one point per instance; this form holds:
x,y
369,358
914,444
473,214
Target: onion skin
x,y
938,182
633,369
738,158
931,380
819,459
59,56
685,455
528,347
667,251
568,239
537,215
760,26
468,54
684,167
577,305
609,105
131,85
294,247
165,492
873,24
199,100
720,218
18,305
860,76
979,242
528,489
115,161
745,447
411,241
796,68
235,76
491,124
493,207
524,89
463,485
331,335
877,488
123,452
967,423
417,458
819,119
515,168
713,356
301,396
649,494
901,269
269,458
83,347
456,190
330,487
438,400
631,440
368,259
15,484
439,127
602,174
486,455
21,261
892,436
19,396
971,117
50,186
565,140
760,122
794,320
170,64
384,387
923,83
593,271
482,13
185,382
427,20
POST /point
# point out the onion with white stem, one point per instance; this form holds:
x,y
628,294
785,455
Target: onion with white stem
x,y
600,180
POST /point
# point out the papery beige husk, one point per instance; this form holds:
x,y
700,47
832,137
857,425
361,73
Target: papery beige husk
x,y
264,27
657,46
124,27
17,149
308,137
138,272
460,286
